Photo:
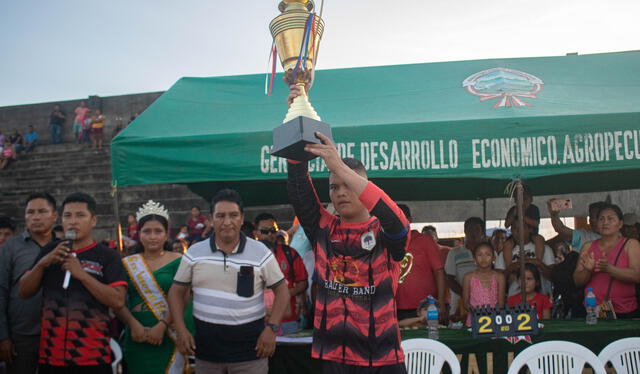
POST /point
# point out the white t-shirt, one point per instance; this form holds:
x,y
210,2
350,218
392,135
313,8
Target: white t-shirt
x,y
546,287
459,262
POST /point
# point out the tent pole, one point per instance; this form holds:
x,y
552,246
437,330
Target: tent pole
x,y
484,211
520,238
116,213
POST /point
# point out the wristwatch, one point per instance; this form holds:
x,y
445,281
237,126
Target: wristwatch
x,y
274,327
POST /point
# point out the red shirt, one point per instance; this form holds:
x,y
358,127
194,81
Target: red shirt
x,y
192,223
132,232
298,274
539,301
421,281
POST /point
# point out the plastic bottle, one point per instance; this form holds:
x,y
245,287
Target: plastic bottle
x,y
432,319
590,304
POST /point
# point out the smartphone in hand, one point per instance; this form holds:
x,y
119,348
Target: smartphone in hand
x,y
561,204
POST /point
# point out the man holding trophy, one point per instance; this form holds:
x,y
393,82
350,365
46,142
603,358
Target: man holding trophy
x,y
358,253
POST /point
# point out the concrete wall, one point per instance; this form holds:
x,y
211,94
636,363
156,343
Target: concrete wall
x,y
114,107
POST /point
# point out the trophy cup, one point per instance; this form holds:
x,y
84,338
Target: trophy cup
x,y
297,32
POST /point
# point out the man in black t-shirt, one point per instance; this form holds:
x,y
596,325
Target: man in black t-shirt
x,y
56,123
74,335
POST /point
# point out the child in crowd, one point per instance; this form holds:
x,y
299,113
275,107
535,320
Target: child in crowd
x,y
132,228
183,234
97,130
269,298
487,284
421,316
534,297
86,128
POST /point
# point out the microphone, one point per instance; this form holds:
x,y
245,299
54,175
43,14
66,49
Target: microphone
x,y
69,237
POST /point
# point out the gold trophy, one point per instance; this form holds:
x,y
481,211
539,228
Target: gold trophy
x,y
297,32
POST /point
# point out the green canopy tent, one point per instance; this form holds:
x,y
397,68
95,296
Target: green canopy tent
x,y
436,131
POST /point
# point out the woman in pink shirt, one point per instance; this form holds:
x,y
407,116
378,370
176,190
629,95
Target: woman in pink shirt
x,y
81,113
612,261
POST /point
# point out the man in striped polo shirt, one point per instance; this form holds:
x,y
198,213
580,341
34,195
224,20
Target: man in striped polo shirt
x,y
227,274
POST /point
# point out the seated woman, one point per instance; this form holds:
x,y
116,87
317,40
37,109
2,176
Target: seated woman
x,y
611,265
8,154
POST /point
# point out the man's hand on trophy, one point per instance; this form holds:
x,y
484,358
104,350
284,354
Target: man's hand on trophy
x,y
294,91
327,151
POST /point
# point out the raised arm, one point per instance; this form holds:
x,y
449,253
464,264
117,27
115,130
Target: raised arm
x,y
303,197
563,231
394,224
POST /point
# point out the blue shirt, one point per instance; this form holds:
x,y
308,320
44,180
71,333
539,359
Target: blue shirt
x,y
31,136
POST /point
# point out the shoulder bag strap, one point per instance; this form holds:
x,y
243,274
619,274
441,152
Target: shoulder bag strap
x,y
614,264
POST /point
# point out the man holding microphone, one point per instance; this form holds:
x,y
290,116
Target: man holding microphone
x,y
74,335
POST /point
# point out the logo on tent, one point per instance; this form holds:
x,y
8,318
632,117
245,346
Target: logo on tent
x,y
507,85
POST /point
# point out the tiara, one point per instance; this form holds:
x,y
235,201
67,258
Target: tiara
x,y
151,207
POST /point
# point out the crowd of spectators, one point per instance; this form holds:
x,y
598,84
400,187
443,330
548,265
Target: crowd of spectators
x,y
87,128
482,269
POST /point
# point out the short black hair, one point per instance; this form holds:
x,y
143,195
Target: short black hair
x,y
597,206
263,217
405,209
42,195
429,227
7,222
247,228
197,207
355,165
616,209
475,221
81,197
229,195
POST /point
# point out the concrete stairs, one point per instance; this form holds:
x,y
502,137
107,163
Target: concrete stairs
x,y
65,168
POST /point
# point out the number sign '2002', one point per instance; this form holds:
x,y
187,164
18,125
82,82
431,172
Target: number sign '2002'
x,y
490,322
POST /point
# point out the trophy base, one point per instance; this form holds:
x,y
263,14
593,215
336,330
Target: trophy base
x,y
290,138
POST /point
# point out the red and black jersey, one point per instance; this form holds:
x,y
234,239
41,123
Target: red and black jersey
x,y
75,328
357,269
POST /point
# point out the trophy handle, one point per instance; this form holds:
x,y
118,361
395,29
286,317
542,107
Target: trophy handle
x,y
405,266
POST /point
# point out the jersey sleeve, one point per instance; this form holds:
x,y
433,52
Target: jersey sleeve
x,y
304,198
395,226
113,270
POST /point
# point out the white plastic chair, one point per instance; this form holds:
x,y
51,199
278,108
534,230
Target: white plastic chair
x,y
624,355
117,355
427,356
556,357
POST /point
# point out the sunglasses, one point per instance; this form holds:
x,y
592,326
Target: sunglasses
x,y
268,231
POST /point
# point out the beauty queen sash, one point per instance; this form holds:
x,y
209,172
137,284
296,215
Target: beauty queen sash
x,y
155,299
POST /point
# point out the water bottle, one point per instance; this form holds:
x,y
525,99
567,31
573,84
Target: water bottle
x,y
590,303
432,319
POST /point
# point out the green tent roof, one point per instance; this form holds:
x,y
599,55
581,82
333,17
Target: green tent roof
x,y
435,131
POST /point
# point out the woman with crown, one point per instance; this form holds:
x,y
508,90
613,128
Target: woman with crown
x,y
149,342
